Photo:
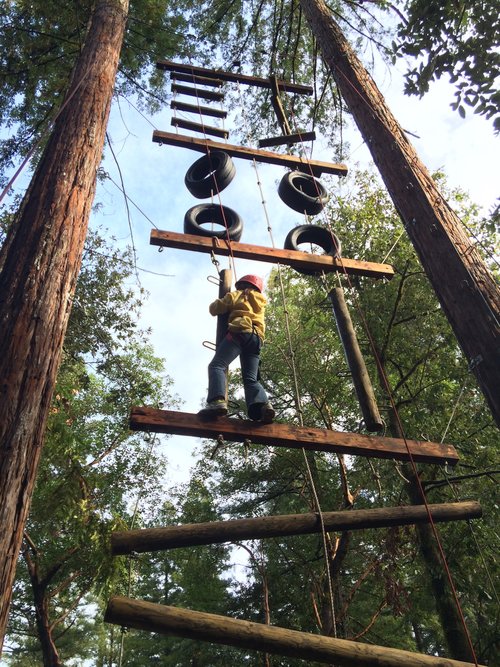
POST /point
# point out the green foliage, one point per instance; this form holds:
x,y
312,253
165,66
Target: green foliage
x,y
92,465
459,39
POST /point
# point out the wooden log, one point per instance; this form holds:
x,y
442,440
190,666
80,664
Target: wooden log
x,y
357,366
198,127
217,532
198,92
198,109
235,77
286,435
265,638
294,258
287,139
246,153
226,279
278,106
197,80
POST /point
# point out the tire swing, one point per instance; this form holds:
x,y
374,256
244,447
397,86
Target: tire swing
x,y
302,192
320,236
206,214
210,174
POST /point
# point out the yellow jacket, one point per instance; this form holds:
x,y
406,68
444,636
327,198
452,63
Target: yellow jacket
x,y
246,310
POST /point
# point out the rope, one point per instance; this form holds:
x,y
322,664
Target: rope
x,y
297,397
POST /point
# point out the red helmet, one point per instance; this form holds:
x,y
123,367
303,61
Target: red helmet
x,y
256,281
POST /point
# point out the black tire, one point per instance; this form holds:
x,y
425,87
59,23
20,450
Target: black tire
x,y
204,214
302,192
320,236
211,173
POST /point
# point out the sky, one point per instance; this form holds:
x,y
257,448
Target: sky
x,y
177,307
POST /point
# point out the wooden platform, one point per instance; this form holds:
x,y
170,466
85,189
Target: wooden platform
x,y
294,258
218,532
285,435
246,153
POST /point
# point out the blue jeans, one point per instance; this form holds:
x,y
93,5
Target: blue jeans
x,y
247,347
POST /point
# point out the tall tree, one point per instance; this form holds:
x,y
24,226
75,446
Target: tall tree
x,y
39,264
468,294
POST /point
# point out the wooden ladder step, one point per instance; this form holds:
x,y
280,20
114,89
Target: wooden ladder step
x,y
197,109
198,127
198,92
217,532
199,80
246,153
287,139
294,258
203,626
286,435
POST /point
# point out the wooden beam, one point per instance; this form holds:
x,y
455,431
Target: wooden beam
x,y
199,80
294,258
217,532
245,153
311,647
198,92
287,139
198,109
235,77
286,435
278,106
198,127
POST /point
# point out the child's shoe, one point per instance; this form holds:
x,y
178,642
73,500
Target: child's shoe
x,y
215,408
267,413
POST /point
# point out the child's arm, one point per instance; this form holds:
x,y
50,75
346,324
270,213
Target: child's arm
x,y
221,306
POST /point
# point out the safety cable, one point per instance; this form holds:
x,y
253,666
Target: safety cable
x,y
297,398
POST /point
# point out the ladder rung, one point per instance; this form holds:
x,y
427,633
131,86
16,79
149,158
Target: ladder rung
x,y
197,92
192,78
198,127
198,109
287,139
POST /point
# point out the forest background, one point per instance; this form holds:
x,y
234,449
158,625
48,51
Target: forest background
x,y
95,476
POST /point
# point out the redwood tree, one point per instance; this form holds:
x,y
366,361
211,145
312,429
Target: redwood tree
x,y
39,265
465,288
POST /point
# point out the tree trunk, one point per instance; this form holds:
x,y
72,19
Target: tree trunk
x,y
39,264
465,288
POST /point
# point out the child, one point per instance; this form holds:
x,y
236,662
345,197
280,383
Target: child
x,y
245,336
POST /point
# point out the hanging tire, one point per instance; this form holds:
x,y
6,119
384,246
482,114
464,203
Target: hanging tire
x,y
206,214
302,192
320,236
211,173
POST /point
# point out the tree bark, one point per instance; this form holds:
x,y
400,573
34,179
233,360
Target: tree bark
x,y
465,288
39,265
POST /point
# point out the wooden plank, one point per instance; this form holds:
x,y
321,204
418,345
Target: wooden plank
x,y
287,139
286,435
218,532
294,258
198,109
198,80
198,92
198,127
246,153
203,626
235,77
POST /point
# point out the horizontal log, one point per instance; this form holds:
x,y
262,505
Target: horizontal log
x,y
246,153
287,139
294,258
202,626
198,127
198,92
198,109
217,532
286,435
235,77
